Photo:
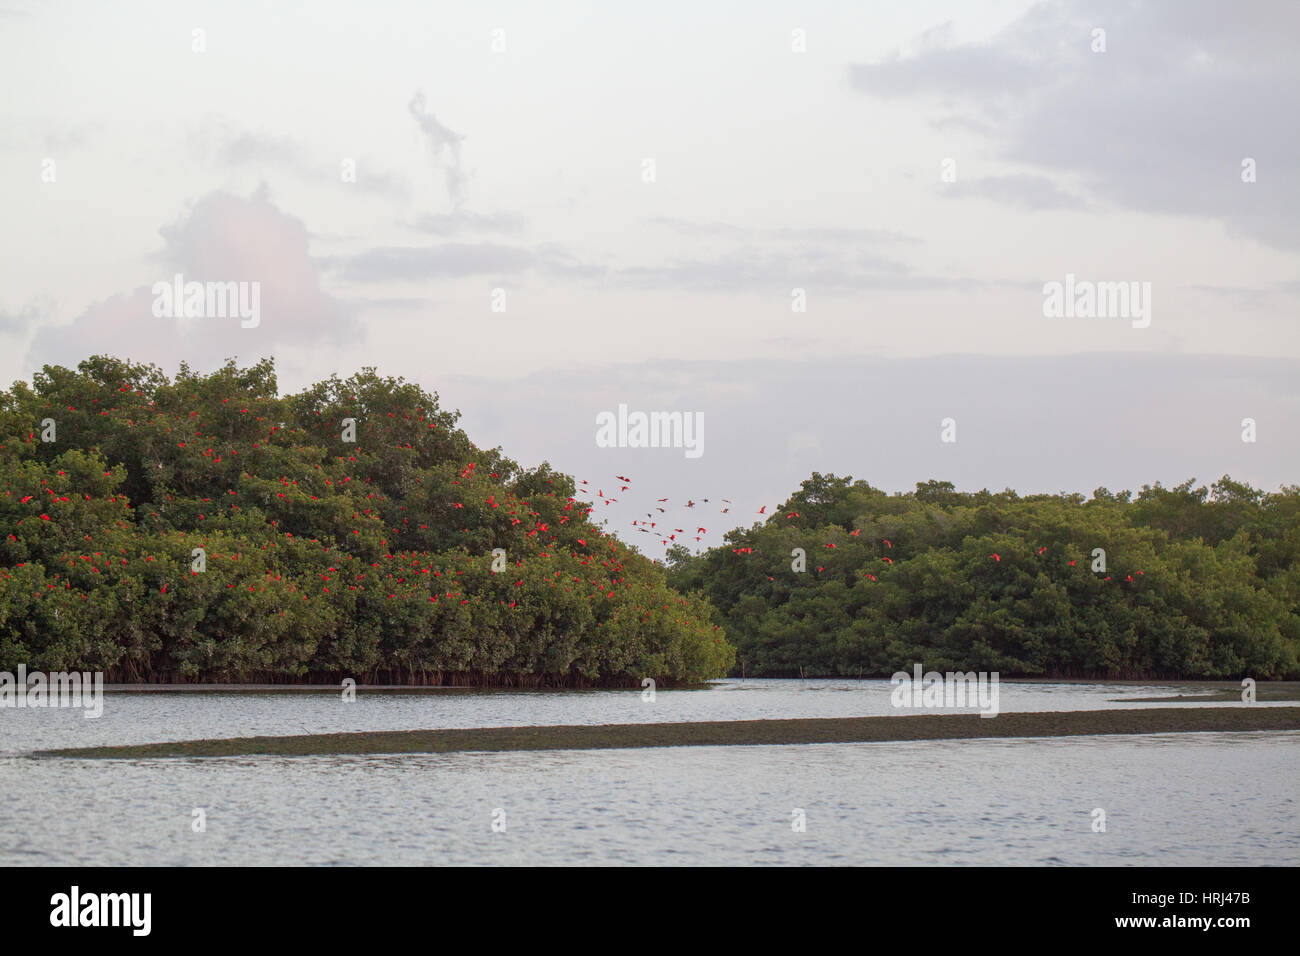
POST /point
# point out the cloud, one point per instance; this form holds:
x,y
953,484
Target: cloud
x,y
1027,191
441,141
1160,122
763,259
222,238
222,143
463,220
1252,298
227,145
827,268
686,227
16,323
446,261
748,270
52,138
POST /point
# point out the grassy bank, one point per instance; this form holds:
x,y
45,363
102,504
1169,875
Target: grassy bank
x,y
1223,692
724,733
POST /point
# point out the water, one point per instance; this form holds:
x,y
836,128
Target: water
x,y
1176,799
131,718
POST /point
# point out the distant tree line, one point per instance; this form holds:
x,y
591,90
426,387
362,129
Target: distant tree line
x,y
1184,582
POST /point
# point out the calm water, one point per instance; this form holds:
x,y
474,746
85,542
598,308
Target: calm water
x,y
1169,799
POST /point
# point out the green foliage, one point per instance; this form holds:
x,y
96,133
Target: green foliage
x,y
1199,582
324,558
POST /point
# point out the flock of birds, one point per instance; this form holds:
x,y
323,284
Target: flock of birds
x,y
658,525
669,535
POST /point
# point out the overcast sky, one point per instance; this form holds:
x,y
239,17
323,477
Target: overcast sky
x,y
502,146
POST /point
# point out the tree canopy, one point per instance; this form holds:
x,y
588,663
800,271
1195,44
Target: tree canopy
x,y
1181,582
207,528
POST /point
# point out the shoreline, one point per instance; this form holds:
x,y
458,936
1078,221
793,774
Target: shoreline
x,y
722,733
1204,691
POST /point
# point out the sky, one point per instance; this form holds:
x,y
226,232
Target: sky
x,y
826,228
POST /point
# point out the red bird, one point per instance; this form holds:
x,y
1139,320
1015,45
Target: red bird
x,y
997,557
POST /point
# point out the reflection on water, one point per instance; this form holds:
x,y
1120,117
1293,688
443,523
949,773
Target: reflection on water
x,y
1176,799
